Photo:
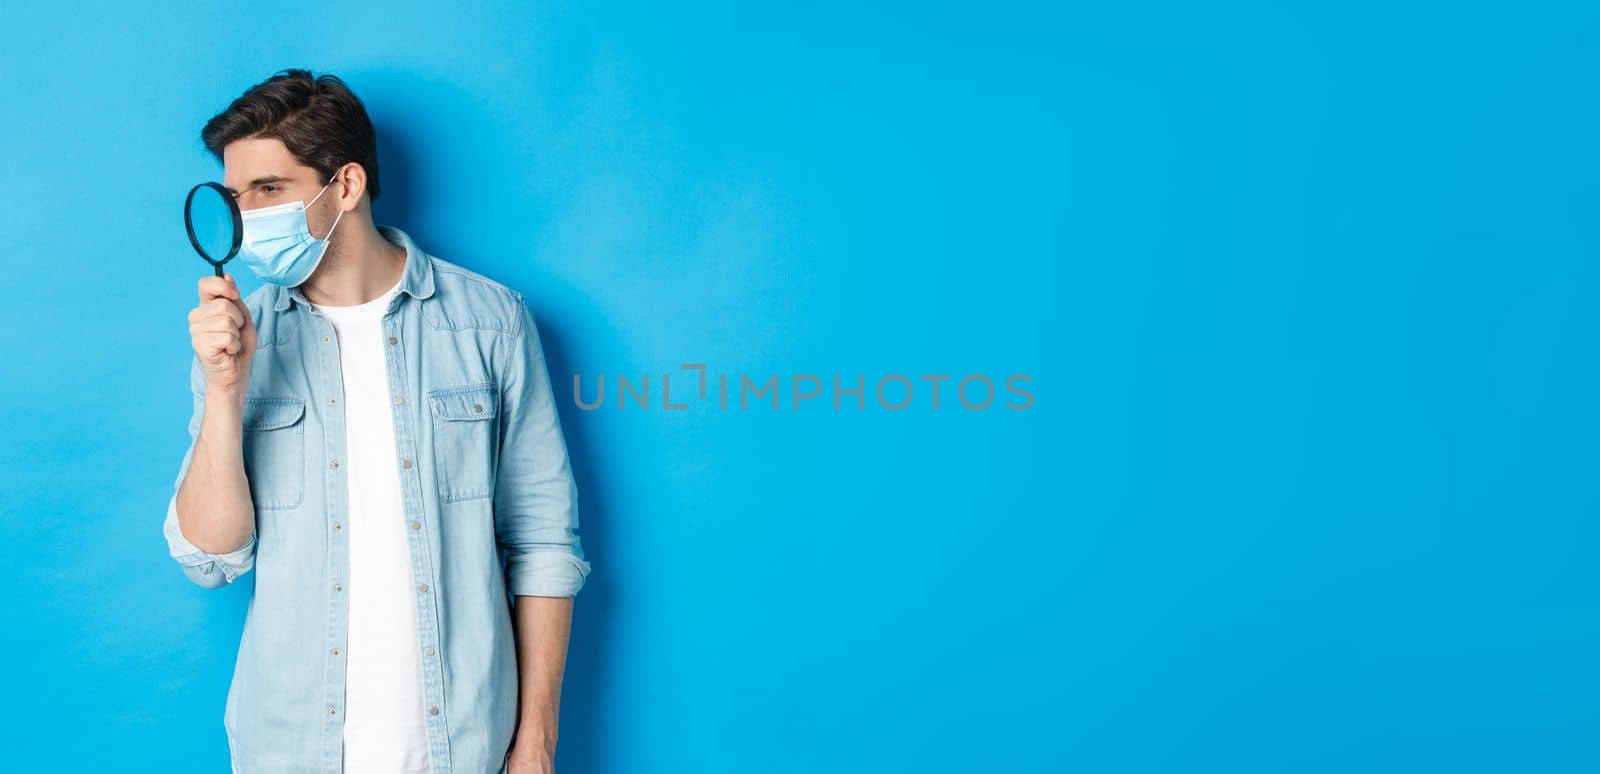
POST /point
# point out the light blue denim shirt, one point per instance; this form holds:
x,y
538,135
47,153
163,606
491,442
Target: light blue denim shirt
x,y
490,510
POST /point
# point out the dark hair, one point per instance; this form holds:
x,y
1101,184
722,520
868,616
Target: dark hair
x,y
321,122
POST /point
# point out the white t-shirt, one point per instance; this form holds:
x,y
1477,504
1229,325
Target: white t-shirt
x,y
384,729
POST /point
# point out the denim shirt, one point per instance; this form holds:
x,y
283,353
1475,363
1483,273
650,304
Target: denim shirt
x,y
489,504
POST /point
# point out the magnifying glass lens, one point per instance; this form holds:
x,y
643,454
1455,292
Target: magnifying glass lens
x,y
212,217
213,223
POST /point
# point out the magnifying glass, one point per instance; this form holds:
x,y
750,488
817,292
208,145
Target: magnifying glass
x,y
216,229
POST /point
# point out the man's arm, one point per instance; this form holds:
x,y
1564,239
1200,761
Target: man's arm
x,y
536,525
210,523
543,628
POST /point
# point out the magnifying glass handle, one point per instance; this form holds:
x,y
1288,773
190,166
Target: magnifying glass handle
x,y
218,267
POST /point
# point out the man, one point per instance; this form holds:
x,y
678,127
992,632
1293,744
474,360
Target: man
x,y
374,433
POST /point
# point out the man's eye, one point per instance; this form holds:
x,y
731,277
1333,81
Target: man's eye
x,y
269,189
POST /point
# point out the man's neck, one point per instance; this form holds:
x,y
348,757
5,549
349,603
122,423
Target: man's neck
x,y
365,266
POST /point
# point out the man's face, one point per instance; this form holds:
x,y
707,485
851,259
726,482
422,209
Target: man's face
x,y
260,172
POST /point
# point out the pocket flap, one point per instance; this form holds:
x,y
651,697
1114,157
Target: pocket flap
x,y
272,412
472,402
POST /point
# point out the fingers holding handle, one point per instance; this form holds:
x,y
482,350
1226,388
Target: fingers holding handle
x,y
223,334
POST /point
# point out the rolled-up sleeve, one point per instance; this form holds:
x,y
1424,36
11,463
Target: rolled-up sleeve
x,y
535,496
205,569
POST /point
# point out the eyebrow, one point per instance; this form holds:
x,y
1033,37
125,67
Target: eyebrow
x,y
262,181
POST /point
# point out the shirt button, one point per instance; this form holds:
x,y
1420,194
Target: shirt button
x,y
332,401
392,340
332,711
338,587
428,650
399,399
334,463
405,464
422,587
335,651
433,710
416,525
325,341
338,525
477,407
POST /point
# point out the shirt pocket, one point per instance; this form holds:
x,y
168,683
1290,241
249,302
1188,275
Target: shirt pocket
x,y
275,451
465,440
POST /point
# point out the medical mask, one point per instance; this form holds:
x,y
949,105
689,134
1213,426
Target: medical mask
x,y
277,244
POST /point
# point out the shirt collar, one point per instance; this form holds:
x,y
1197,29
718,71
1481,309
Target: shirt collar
x,y
417,279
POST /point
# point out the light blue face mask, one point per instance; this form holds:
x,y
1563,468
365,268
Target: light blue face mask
x,y
277,244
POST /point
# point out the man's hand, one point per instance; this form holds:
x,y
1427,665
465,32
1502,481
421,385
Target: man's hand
x,y
224,335
530,758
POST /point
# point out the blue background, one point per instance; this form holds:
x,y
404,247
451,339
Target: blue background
x,y
1307,297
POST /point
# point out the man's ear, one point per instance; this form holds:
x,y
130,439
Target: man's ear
x,y
350,179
